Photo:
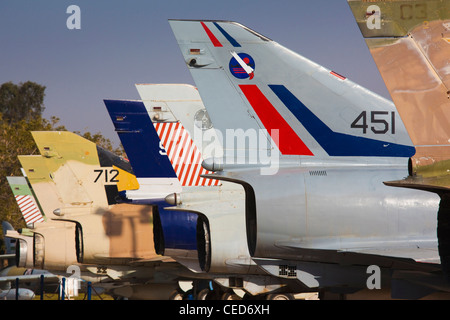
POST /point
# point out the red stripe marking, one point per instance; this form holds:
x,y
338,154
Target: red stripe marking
x,y
183,154
173,140
22,199
183,163
338,75
196,170
211,36
31,216
194,175
29,209
25,205
198,178
288,142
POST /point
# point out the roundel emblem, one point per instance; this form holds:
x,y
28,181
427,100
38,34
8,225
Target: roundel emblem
x,y
237,68
202,120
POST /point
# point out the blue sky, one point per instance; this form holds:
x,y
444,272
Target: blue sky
x,y
121,43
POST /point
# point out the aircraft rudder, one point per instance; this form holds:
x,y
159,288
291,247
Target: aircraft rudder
x,y
243,83
139,139
409,43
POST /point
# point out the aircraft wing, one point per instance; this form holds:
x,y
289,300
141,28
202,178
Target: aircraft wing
x,y
30,278
410,43
389,251
7,256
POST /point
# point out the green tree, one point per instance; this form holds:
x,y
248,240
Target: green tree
x,y
23,101
21,108
16,139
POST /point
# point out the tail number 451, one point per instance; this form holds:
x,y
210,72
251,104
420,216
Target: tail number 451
x,y
380,122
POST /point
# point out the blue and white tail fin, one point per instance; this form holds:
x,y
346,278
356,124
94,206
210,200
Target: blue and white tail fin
x,y
252,85
176,147
147,156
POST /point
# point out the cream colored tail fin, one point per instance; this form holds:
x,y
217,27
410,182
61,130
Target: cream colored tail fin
x,y
410,43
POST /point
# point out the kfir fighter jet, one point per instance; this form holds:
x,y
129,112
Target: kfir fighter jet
x,y
87,223
215,205
29,279
175,231
29,245
318,211
410,43
72,171
222,251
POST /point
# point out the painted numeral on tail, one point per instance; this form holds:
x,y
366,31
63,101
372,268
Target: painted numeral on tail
x,y
384,120
109,176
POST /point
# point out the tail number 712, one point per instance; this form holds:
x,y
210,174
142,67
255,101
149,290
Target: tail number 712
x,y
109,176
380,122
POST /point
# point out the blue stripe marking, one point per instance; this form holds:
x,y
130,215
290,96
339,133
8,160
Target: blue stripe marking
x,y
334,143
139,139
227,35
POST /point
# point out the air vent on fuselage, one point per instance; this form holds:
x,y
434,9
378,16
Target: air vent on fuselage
x,y
318,173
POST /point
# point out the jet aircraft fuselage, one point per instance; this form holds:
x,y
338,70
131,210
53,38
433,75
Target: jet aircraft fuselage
x,y
344,208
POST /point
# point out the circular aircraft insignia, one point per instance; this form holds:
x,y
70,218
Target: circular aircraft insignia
x,y
202,120
238,70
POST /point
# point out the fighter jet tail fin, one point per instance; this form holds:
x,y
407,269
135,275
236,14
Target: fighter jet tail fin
x,y
172,145
147,156
267,101
410,44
